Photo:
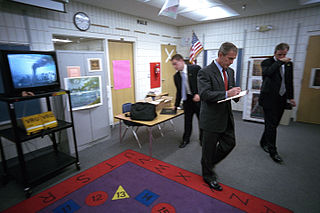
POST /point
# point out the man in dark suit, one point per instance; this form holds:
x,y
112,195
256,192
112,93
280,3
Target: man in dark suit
x,y
277,88
187,90
216,82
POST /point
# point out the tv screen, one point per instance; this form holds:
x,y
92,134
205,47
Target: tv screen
x,y
30,71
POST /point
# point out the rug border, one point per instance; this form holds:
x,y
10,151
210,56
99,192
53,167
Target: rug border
x,y
236,198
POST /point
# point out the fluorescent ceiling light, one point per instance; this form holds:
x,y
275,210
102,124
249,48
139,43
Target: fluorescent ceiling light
x,y
61,40
205,14
200,10
191,5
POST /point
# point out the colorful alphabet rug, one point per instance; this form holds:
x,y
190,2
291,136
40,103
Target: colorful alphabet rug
x,y
134,182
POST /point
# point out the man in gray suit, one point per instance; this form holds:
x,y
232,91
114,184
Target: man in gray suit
x,y
216,82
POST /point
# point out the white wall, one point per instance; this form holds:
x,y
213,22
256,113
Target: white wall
x,y
287,27
20,24
34,26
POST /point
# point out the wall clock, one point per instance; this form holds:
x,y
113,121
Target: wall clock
x,y
81,21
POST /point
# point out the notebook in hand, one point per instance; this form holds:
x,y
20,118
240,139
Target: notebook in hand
x,y
168,111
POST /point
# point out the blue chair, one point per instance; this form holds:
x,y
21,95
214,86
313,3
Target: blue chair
x,y
129,124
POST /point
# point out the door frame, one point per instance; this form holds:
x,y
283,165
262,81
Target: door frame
x,y
109,83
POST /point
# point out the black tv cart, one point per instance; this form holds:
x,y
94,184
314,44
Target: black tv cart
x,y
43,163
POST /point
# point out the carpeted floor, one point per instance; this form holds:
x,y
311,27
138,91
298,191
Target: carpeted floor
x,y
134,182
294,185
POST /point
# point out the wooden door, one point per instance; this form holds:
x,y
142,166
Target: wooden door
x,y
167,70
121,51
309,103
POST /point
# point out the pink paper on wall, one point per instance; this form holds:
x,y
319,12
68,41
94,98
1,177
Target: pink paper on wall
x,y
73,71
121,74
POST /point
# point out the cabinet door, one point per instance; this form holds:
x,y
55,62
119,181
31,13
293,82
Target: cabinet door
x,y
91,123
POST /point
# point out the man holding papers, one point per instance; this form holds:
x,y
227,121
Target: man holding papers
x,y
215,83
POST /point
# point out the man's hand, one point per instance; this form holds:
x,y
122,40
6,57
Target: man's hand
x,y
292,102
285,59
234,91
26,93
196,98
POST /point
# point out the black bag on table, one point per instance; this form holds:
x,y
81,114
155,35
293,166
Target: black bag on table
x,y
143,111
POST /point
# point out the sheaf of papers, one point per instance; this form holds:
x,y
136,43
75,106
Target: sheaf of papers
x,y
242,93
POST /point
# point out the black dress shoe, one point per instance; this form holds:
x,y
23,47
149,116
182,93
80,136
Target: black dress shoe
x,y
276,157
183,144
214,185
264,147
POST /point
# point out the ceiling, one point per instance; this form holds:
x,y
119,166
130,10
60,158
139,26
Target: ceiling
x,y
149,9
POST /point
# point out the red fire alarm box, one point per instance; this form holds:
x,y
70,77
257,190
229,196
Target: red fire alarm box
x,y
155,74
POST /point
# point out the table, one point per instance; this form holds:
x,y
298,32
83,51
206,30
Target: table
x,y
158,120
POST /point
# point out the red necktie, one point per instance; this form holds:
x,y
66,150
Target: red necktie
x,y
225,79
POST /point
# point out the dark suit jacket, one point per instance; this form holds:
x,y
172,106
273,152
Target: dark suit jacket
x,y
272,82
214,116
192,71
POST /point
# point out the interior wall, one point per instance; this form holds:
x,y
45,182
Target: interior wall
x,y
21,24
293,27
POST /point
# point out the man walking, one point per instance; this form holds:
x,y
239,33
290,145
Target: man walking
x,y
216,82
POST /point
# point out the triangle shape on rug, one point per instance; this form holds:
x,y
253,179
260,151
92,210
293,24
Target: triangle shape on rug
x,y
120,194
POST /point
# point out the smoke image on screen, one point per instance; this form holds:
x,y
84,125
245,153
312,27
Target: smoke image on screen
x,y
32,70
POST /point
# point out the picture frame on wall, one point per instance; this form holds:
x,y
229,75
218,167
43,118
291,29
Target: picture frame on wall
x,y
315,78
256,110
85,92
94,64
256,84
256,68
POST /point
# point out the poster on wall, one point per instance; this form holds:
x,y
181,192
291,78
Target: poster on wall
x,y
155,75
211,55
85,91
256,110
315,78
256,84
73,71
251,109
94,64
257,69
121,74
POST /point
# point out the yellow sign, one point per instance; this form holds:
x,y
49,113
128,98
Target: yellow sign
x,y
38,122
48,120
32,123
120,194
